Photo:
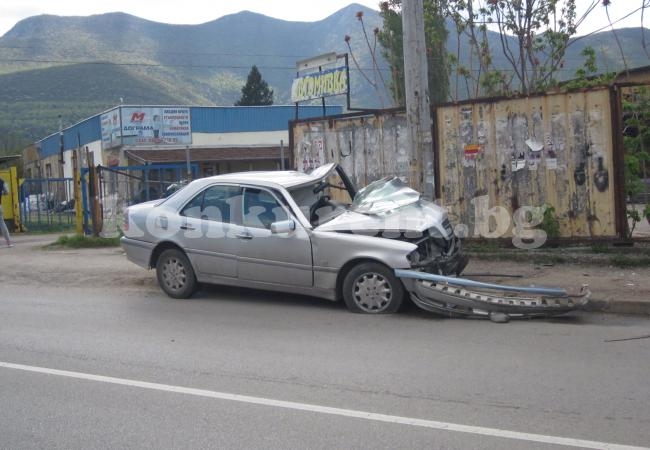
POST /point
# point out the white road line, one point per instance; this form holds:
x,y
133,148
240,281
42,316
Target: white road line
x,y
446,426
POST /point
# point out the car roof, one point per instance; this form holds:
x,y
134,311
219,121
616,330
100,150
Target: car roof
x,y
286,178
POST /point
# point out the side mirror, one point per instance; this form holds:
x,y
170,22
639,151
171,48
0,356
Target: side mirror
x,y
284,226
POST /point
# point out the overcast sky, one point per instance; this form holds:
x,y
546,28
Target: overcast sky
x,y
200,11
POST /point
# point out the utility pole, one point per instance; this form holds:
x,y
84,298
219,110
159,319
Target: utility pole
x,y
61,148
188,162
418,114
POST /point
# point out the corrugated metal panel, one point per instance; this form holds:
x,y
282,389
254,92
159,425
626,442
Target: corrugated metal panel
x,y
84,132
49,146
495,157
638,76
553,149
251,118
368,148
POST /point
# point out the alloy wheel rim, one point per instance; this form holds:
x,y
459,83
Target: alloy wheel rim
x,y
372,292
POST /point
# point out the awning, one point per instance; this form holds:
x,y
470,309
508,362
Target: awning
x,y
151,156
9,158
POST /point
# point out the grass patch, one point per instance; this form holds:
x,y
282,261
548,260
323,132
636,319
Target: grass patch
x,y
77,241
626,262
48,229
525,257
600,248
482,246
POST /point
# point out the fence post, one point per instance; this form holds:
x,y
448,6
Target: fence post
x,y
78,206
93,193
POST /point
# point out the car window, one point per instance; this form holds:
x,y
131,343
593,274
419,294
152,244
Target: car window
x,y
193,207
261,209
218,203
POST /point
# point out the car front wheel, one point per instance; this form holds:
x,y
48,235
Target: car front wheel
x,y
175,274
372,288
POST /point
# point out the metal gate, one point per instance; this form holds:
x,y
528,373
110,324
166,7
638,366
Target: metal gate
x,y
47,204
107,191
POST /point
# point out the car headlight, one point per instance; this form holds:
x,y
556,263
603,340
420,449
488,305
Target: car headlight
x,y
414,257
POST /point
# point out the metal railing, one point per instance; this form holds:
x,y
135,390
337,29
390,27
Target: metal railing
x,y
47,204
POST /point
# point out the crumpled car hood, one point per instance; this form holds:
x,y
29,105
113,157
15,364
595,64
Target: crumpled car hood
x,y
416,217
384,195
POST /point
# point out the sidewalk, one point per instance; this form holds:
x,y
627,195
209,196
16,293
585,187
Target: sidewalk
x,y
613,289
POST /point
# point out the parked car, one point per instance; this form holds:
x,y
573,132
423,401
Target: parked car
x,y
169,190
294,232
145,194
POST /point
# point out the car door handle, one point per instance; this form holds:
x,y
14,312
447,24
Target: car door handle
x,y
244,236
187,227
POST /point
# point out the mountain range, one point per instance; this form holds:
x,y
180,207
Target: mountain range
x,y
76,67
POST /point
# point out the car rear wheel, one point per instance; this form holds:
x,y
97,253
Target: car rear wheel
x,y
175,274
372,288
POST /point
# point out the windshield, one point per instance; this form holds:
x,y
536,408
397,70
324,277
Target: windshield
x,y
384,195
324,199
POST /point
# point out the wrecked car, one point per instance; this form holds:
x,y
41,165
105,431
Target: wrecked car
x,y
310,234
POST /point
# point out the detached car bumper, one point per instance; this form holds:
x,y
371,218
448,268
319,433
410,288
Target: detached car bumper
x,y
461,297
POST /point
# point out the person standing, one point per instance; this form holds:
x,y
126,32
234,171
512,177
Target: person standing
x,y
3,225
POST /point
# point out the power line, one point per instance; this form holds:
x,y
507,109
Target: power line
x,y
163,52
611,25
142,64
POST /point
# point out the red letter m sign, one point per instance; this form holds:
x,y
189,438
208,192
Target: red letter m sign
x,y
137,117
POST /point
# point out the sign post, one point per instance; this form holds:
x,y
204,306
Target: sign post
x,y
319,77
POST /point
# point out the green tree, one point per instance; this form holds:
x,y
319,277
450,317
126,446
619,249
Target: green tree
x,y
390,38
588,75
256,91
532,35
636,110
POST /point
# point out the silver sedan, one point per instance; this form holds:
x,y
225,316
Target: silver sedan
x,y
288,231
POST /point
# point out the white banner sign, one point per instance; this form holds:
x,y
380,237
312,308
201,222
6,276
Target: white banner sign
x,y
146,126
320,84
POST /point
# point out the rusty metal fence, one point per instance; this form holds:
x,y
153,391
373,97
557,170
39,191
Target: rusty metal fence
x,y
492,155
48,204
107,191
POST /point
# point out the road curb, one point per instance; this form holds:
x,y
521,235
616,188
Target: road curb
x,y
618,307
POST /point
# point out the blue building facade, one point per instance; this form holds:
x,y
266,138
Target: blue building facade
x,y
203,119
219,139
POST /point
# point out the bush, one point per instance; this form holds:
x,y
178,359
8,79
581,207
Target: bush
x,y
550,223
77,241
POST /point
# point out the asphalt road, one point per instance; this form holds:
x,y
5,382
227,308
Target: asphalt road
x,y
120,365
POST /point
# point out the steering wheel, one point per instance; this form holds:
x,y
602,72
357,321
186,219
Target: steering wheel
x,y
321,202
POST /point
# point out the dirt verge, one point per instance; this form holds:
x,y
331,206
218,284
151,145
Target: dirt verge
x,y
614,289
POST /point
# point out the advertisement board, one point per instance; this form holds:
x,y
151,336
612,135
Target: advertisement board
x,y
320,84
135,126
111,129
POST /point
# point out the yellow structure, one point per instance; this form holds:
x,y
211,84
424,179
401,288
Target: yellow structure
x,y
11,202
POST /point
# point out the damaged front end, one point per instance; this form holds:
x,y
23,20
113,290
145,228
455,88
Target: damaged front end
x,y
461,297
418,221
438,251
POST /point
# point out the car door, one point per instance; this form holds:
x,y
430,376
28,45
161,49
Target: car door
x,y
282,258
210,222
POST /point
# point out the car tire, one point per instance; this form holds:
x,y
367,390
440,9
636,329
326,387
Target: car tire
x,y
372,288
175,274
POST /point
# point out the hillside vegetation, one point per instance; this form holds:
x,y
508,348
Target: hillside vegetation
x,y
79,66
